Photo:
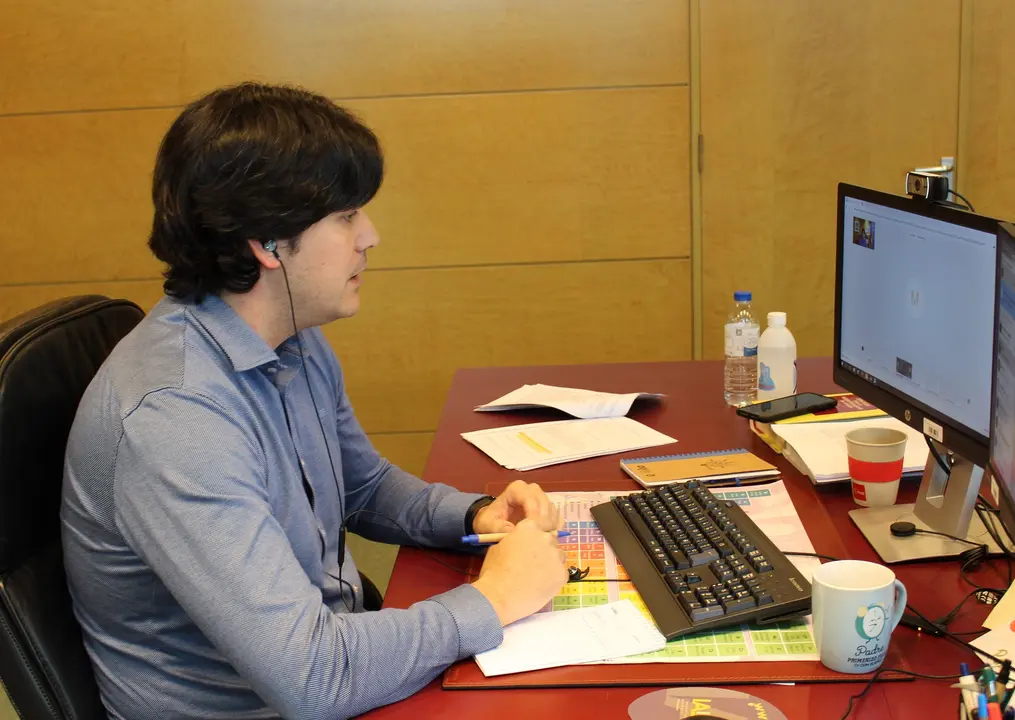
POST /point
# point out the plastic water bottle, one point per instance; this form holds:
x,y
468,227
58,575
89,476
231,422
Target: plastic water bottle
x,y
776,359
741,376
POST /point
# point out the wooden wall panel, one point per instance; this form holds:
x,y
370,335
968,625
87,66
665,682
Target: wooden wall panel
x,y
77,205
408,451
539,177
530,178
16,299
417,326
89,54
986,172
815,93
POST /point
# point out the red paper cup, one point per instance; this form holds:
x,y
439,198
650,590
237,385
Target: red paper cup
x,y
876,457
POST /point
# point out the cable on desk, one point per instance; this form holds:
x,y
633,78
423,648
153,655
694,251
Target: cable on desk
x,y
946,619
877,674
954,638
988,522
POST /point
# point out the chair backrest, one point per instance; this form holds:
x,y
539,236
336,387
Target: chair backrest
x,y
47,358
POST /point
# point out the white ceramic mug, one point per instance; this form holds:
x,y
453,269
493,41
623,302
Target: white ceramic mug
x,y
856,606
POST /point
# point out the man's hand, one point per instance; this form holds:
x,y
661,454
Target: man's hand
x,y
520,501
522,572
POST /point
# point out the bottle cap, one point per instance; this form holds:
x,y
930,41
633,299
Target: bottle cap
x,y
777,318
742,296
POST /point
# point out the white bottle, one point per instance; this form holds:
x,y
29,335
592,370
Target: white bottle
x,y
776,359
740,381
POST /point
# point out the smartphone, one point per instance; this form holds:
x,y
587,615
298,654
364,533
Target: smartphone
x,y
787,407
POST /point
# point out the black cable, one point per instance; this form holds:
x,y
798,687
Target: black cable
x,y
327,445
996,537
963,199
937,456
956,538
877,674
954,638
944,620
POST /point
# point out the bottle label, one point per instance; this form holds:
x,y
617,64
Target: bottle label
x,y
741,340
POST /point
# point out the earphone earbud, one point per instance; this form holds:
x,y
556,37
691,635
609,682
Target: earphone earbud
x,y
271,246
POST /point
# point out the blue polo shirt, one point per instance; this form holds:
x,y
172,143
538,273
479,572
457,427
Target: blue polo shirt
x,y
201,526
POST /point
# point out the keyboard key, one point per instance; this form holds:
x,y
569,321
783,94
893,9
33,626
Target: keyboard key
x,y
724,549
739,604
706,613
762,596
764,567
645,536
676,583
703,558
662,560
691,578
680,561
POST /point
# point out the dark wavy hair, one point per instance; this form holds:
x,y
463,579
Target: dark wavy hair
x,y
252,162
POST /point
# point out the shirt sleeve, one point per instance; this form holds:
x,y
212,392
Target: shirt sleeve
x,y
190,500
431,514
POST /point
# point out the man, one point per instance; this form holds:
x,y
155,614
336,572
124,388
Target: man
x,y
215,461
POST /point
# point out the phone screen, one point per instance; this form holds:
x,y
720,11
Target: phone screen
x,y
788,406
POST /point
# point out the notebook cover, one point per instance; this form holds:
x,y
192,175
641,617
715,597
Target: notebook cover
x,y
466,675
675,468
847,407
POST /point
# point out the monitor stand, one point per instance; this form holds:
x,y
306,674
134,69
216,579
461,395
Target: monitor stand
x,y
944,504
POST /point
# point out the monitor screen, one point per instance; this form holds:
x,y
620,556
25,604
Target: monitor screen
x,y
1002,439
917,304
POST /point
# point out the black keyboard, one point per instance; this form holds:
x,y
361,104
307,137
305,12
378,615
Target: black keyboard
x,y
699,562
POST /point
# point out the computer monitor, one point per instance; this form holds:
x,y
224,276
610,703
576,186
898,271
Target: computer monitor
x,y
1002,433
914,334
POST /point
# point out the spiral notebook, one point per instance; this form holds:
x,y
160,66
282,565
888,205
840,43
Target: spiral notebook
x,y
733,466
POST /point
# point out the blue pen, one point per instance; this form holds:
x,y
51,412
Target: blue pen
x,y
968,696
982,713
490,538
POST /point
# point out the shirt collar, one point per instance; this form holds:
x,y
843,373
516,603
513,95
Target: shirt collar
x,y
244,347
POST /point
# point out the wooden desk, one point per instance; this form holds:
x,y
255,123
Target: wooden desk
x,y
695,414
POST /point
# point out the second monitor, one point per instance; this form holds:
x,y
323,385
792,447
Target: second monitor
x,y
914,334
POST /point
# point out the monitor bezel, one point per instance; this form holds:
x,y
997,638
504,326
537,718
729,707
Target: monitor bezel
x,y
1006,503
963,440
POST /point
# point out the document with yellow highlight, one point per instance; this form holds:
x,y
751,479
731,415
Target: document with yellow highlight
x,y
525,447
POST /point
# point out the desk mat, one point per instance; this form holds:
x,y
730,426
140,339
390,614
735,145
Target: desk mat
x,y
466,675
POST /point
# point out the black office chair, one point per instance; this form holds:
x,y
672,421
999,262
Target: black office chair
x,y
47,358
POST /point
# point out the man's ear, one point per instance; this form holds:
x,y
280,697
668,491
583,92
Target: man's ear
x,y
266,253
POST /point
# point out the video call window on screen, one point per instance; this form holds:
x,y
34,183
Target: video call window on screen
x,y
902,327
863,232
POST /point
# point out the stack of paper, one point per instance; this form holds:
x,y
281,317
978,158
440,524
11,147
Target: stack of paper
x,y
818,450
570,637
525,447
580,403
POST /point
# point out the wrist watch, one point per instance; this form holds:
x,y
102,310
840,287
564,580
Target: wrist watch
x,y
470,514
